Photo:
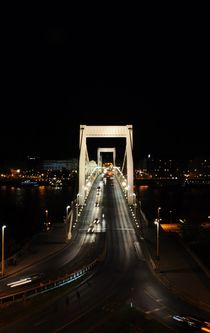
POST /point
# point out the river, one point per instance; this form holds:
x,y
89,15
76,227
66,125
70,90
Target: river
x,y
176,202
22,210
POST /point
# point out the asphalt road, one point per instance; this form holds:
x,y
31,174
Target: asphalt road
x,y
124,278
81,250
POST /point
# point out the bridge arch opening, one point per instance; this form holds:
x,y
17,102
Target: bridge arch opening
x,y
105,150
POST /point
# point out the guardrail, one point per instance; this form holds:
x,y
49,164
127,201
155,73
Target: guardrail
x,y
54,284
50,285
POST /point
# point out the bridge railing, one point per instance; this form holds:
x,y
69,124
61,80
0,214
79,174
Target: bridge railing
x,y
135,211
47,286
68,278
89,182
122,181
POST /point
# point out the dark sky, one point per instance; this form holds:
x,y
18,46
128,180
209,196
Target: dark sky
x,y
57,76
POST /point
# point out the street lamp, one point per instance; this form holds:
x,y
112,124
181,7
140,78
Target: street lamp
x,y
157,222
170,216
134,198
67,220
46,222
2,250
77,207
46,216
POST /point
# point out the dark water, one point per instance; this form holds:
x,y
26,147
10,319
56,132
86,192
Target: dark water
x,y
176,203
22,210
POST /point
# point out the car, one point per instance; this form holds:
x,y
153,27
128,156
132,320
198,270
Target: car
x,y
91,229
25,280
96,220
188,321
97,204
205,327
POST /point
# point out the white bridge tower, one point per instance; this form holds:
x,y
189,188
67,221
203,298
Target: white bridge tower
x,y
87,131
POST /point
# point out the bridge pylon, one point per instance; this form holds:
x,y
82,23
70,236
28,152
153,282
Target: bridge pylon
x,y
87,131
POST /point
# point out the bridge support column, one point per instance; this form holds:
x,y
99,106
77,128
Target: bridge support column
x,y
129,140
82,160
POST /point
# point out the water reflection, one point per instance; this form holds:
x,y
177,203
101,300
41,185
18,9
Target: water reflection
x,y
22,209
176,202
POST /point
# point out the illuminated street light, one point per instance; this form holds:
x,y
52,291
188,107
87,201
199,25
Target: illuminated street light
x,y
77,207
2,250
157,222
170,216
46,216
67,220
46,222
134,198
67,213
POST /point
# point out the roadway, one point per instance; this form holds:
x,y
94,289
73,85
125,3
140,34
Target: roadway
x,y
124,278
77,253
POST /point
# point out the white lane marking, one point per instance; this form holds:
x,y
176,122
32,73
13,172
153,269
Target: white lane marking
x,y
155,310
153,297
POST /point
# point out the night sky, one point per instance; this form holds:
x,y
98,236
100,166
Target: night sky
x,y
57,76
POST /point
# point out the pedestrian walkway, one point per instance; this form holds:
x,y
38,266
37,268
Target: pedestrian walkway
x,y
39,248
177,268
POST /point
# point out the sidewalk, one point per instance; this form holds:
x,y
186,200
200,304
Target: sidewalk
x,y
39,248
178,269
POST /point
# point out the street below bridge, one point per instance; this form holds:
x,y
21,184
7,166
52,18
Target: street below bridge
x,y
124,278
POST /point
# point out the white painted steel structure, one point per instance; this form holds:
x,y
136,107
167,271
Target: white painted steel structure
x,y
106,150
87,131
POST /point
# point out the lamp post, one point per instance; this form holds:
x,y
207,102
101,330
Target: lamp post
x,y
46,222
170,216
77,207
2,250
67,219
76,212
157,222
46,216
